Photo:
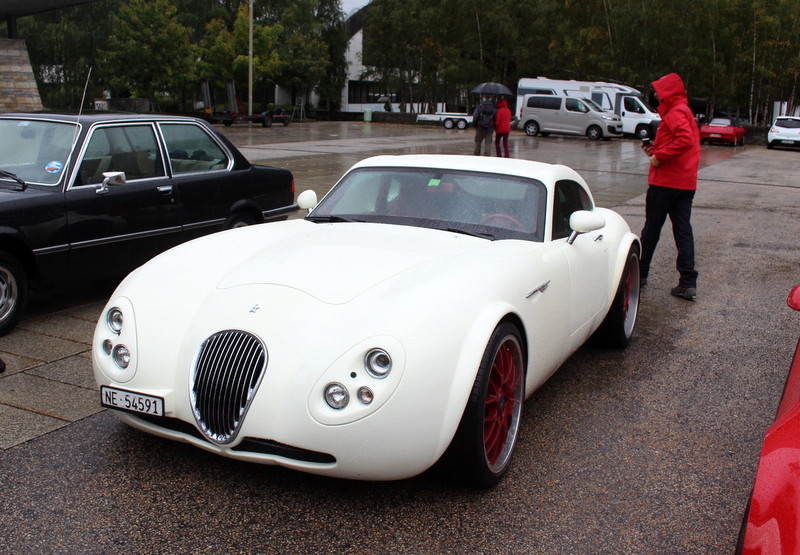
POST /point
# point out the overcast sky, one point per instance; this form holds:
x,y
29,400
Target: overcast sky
x,y
349,6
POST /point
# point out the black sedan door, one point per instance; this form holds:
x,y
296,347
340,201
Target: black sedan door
x,y
115,229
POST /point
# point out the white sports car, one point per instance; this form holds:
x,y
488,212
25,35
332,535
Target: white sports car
x,y
403,321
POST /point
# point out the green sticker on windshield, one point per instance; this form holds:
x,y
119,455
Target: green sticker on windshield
x,y
434,182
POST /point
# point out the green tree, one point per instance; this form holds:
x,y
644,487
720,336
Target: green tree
x,y
302,48
149,52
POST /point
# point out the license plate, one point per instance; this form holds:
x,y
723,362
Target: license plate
x,y
785,142
716,135
114,398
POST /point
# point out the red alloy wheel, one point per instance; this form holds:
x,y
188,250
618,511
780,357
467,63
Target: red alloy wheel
x,y
503,404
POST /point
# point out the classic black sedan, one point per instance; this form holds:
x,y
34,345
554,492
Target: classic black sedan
x,y
86,198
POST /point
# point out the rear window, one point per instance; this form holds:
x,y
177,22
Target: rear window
x,y
788,123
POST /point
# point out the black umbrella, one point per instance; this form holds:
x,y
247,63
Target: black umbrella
x,y
492,88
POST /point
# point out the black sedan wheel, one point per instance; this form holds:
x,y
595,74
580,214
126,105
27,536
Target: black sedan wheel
x,y
13,292
484,443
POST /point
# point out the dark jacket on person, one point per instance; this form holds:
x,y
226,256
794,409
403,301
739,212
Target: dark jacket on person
x,y
486,105
677,144
502,119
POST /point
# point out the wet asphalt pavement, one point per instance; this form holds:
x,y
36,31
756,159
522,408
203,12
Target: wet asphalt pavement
x,y
648,450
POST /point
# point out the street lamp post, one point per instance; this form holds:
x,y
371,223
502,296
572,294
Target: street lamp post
x,y
250,63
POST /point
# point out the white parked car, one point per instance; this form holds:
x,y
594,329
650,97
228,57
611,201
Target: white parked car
x,y
403,321
785,131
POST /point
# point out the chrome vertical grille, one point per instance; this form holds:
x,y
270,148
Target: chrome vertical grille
x,y
227,372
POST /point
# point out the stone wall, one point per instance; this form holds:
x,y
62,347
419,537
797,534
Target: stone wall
x,y
18,91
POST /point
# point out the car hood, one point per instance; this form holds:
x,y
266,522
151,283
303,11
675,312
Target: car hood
x,y
334,263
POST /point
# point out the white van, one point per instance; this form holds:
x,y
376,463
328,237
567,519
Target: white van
x,y
544,114
637,116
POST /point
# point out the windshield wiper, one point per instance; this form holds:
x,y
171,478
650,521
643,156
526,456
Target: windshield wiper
x,y
331,219
470,233
23,185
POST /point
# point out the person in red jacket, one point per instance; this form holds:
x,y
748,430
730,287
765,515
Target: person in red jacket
x,y
674,161
502,126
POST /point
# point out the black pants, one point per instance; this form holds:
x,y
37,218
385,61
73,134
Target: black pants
x,y
677,204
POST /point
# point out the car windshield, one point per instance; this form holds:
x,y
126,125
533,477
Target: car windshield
x,y
488,205
35,151
788,123
593,105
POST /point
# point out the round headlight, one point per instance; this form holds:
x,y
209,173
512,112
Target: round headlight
x,y
122,356
378,363
365,395
336,396
114,319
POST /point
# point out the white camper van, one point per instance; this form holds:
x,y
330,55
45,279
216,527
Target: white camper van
x,y
638,117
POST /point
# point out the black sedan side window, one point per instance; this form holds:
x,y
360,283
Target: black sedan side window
x,y
191,149
124,148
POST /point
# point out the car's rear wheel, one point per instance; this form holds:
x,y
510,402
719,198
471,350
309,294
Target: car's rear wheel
x,y
13,291
448,124
487,436
239,220
266,121
531,128
617,328
594,133
462,124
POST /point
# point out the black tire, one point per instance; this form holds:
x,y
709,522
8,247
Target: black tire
x,y
285,122
266,121
617,329
531,128
770,145
13,291
643,132
484,444
462,124
227,122
239,220
594,133
448,124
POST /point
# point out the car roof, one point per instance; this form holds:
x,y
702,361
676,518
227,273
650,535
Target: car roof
x,y
788,117
94,117
547,173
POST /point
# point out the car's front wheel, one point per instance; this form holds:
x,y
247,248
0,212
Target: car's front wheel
x,y
617,328
594,133
448,124
13,291
643,132
487,435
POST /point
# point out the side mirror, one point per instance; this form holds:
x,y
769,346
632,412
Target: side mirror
x,y
110,178
307,199
584,221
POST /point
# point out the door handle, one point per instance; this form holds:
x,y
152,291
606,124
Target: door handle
x,y
165,189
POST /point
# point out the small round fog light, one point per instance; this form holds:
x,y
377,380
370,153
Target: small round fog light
x,y
336,396
365,395
107,346
378,363
114,320
122,356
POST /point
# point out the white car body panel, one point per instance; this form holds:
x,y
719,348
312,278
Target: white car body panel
x,y
319,294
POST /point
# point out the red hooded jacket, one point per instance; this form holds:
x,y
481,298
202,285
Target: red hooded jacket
x,y
502,119
677,145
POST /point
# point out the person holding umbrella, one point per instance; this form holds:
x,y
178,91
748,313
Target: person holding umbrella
x,y
483,120
484,116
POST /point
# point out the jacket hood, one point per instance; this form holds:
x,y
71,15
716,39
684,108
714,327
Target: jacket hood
x,y
502,104
670,91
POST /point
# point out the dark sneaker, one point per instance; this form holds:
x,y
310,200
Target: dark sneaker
x,y
688,293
